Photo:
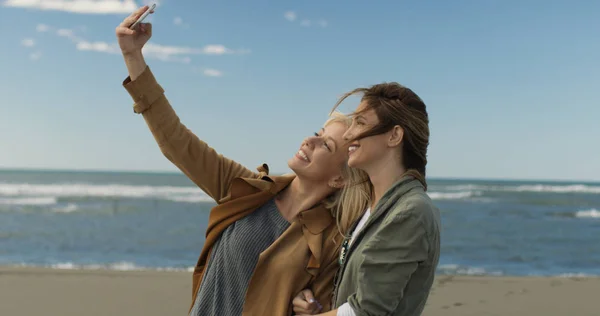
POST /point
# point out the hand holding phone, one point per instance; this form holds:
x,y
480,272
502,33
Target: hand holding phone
x,y
131,33
143,16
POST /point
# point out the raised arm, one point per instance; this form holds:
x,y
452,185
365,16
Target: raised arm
x,y
208,169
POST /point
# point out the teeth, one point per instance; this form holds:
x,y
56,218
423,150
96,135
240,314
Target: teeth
x,y
303,155
352,148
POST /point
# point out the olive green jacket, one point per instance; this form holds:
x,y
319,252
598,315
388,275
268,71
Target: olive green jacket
x,y
390,266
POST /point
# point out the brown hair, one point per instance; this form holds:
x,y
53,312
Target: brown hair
x,y
349,203
394,105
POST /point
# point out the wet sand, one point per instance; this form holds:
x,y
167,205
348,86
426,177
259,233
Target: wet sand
x,y
36,291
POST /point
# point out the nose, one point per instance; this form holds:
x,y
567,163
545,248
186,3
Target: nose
x,y
349,134
310,142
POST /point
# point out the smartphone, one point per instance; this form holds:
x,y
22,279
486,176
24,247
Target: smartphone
x,y
143,16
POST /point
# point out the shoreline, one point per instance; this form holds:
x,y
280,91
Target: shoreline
x,y
48,291
131,267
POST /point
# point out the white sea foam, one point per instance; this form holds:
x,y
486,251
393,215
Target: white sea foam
x,y
116,266
574,275
69,208
574,188
465,270
46,194
593,213
44,200
453,195
541,188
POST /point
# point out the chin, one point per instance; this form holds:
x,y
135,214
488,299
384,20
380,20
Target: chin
x,y
353,162
293,165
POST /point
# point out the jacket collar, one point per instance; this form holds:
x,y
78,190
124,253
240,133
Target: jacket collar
x,y
315,219
391,196
387,201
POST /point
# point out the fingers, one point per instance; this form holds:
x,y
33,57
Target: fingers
x,y
122,31
142,28
308,295
134,16
146,28
301,306
305,303
310,298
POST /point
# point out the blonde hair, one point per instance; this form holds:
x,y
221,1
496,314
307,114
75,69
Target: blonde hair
x,y
349,203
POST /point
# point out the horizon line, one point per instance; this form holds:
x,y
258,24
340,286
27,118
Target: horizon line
x,y
177,172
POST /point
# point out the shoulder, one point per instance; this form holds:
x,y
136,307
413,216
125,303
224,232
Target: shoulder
x,y
416,205
414,214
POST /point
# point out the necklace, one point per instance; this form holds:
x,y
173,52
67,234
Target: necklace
x,y
344,251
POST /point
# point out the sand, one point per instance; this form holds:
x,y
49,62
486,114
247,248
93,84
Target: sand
x,y
34,291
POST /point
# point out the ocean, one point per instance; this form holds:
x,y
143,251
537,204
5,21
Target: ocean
x,y
136,221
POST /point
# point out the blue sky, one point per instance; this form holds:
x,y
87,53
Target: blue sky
x,y
511,86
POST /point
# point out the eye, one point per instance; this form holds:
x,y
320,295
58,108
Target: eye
x,y
324,142
357,121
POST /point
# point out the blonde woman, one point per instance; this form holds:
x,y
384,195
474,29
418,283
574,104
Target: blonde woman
x,y
269,236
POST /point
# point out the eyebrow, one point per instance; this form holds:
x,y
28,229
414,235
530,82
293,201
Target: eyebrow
x,y
335,145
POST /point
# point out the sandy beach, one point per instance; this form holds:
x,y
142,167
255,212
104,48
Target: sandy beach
x,y
35,291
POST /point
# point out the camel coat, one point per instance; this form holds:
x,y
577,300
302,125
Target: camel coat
x,y
304,256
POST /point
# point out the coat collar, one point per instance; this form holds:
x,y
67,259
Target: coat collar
x,y
313,221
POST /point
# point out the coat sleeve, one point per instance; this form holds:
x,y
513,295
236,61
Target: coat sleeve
x,y
209,170
388,261
323,285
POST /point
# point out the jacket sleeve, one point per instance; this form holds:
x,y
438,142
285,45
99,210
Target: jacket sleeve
x,y
208,169
388,261
322,287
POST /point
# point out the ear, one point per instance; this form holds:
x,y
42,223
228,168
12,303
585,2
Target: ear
x,y
337,183
396,136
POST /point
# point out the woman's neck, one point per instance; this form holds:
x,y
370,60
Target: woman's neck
x,y
383,176
300,196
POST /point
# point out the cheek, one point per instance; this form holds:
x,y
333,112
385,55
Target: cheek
x,y
368,149
328,163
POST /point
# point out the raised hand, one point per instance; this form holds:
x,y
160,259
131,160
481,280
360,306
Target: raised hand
x,y
132,41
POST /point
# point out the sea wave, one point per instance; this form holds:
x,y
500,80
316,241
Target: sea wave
x,y
47,194
455,269
115,266
69,208
574,188
593,213
28,200
541,188
453,195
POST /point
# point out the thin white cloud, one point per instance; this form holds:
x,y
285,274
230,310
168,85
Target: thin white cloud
x,y
169,53
212,73
178,21
290,16
28,42
35,56
101,47
76,6
42,28
68,33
